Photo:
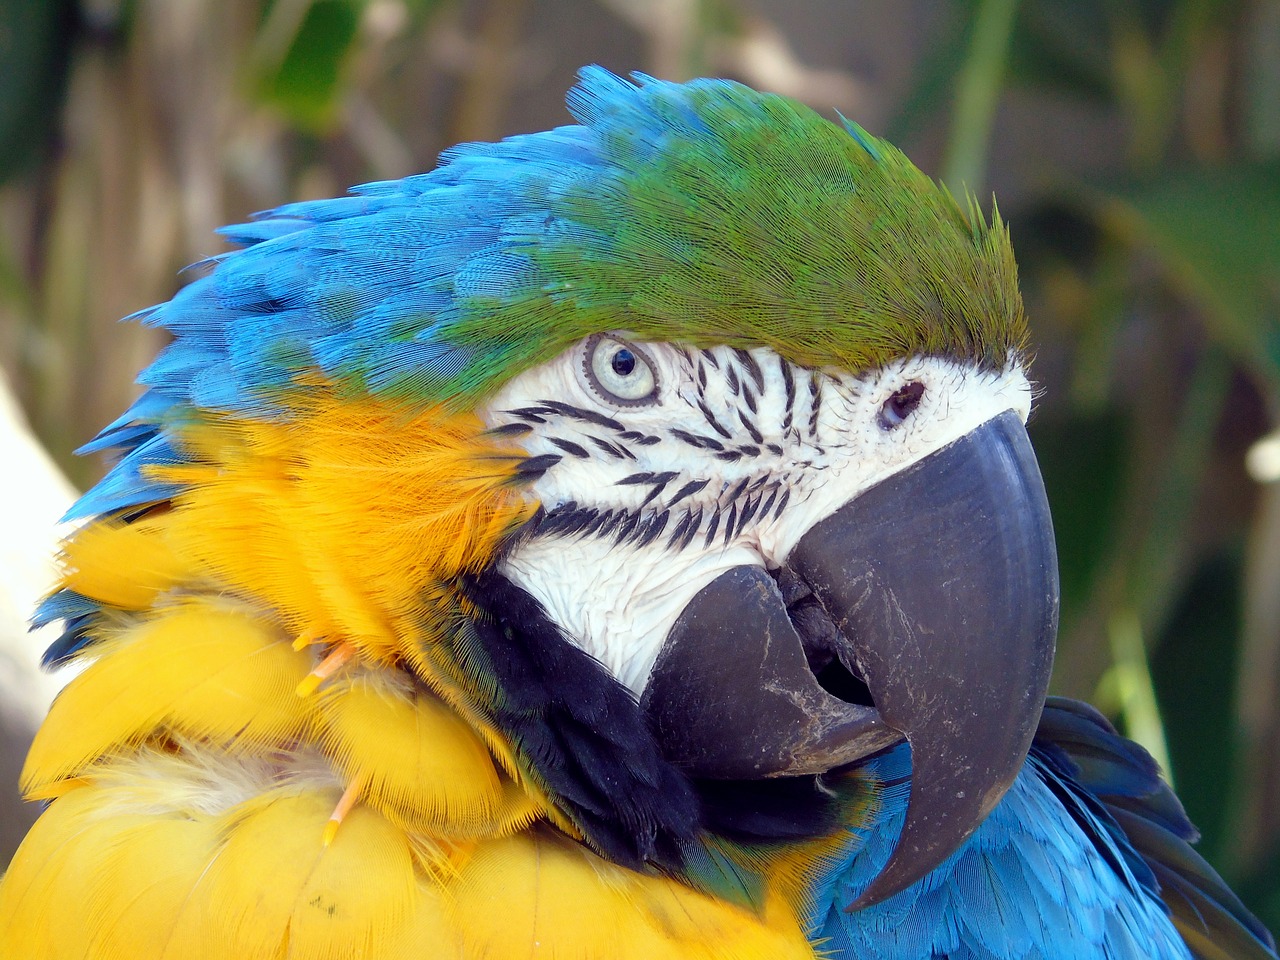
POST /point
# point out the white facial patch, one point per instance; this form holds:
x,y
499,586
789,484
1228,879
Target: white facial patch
x,y
732,457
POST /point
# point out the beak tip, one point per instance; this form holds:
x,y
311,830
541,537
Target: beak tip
x,y
898,874
969,707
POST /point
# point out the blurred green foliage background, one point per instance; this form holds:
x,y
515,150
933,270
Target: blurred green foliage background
x,y
1134,146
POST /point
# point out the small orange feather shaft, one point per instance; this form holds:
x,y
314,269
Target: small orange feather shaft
x,y
326,668
306,639
345,803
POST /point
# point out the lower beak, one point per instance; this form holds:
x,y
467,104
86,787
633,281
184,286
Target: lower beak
x,y
940,587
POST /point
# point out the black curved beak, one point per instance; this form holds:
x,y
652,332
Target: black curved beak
x,y
940,592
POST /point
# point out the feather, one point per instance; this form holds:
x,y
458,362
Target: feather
x,y
122,564
416,761
533,895
203,668
346,900
125,487
167,854
43,873
344,518
704,212
1141,810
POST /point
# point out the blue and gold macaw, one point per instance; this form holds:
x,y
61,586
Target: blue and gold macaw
x,y
620,542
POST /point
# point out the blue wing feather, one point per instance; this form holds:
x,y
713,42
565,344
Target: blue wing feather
x,y
1088,855
1146,814
125,487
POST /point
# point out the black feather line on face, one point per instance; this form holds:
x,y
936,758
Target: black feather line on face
x,y
531,468
511,430
752,368
697,441
569,447
737,489
615,450
815,403
710,417
789,388
690,488
581,414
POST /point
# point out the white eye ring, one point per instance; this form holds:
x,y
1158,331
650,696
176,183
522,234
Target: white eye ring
x,y
619,371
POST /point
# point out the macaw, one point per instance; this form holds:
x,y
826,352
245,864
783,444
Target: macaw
x,y
622,541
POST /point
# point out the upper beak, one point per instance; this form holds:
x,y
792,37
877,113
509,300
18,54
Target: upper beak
x,y
941,584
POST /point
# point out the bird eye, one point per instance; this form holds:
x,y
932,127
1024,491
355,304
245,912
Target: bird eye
x,y
619,371
901,405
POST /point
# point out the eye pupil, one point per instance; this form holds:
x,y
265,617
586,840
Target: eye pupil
x,y
901,404
624,362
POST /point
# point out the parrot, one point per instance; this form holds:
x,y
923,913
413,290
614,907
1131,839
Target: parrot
x,y
622,541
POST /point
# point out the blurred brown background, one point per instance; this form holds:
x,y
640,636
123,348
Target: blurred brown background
x,y
1134,146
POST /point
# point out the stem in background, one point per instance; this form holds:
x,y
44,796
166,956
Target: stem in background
x,y
1128,688
1158,563
977,93
1262,79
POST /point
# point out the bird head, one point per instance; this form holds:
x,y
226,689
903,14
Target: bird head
x,y
679,452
